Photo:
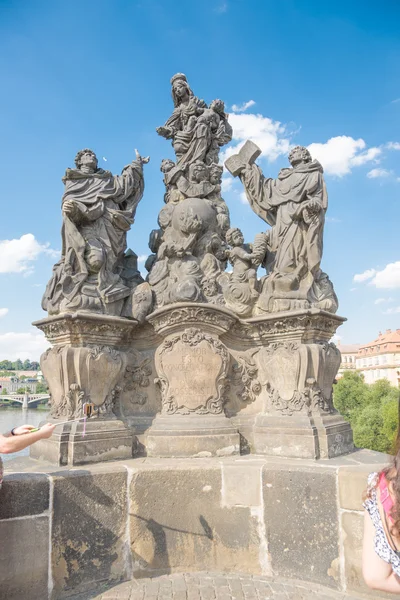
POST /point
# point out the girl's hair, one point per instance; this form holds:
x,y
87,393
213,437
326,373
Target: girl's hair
x,y
392,476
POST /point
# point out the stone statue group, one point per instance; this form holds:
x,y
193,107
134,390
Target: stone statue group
x,y
194,242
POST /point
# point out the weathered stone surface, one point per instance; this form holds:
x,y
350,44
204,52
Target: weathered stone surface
x,y
223,586
95,273
242,484
301,520
24,494
352,525
24,557
103,440
293,258
189,249
177,523
352,485
193,436
89,542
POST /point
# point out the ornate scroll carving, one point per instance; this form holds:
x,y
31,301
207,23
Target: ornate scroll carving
x,y
192,369
244,377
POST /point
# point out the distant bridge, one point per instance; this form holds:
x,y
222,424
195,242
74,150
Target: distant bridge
x,y
25,399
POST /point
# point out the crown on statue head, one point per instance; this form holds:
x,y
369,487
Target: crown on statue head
x,y
180,76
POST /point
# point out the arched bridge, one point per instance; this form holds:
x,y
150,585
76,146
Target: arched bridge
x,y
25,399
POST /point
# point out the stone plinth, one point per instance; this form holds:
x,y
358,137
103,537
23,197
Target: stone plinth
x,y
87,364
294,364
192,365
75,531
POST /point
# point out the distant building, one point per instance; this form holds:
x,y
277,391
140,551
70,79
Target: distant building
x,y
380,359
13,383
349,354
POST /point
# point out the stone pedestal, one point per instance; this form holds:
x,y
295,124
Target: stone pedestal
x,y
88,363
296,367
302,436
192,365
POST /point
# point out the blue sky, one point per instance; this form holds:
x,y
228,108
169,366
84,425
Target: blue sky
x,y
83,74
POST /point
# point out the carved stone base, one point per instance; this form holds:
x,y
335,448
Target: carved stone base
x,y
103,440
302,436
192,366
55,449
193,436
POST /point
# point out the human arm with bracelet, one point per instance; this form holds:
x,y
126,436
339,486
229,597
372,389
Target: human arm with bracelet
x,y
21,437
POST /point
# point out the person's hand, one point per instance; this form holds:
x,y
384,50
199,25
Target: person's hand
x,y
23,429
47,430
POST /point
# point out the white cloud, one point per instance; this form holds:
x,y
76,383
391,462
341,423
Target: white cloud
x,y
395,101
22,345
393,145
367,156
333,220
17,256
374,173
382,300
3,312
243,198
238,108
341,153
270,136
392,311
389,277
221,8
226,183
336,339
361,277
142,258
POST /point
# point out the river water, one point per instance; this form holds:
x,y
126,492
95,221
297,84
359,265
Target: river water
x,y
13,417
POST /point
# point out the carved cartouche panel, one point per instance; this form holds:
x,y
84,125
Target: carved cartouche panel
x,y
192,368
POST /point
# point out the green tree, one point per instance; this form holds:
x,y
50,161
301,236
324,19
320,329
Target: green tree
x,y
368,429
35,366
6,365
17,365
27,365
4,392
21,390
390,416
381,391
350,394
41,388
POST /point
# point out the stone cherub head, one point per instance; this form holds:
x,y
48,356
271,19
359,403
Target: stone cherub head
x,y
234,237
298,155
198,172
216,173
166,165
86,160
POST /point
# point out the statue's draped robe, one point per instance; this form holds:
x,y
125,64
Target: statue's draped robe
x,y
297,231
195,141
107,207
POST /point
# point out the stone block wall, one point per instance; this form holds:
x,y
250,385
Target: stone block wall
x,y
70,531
